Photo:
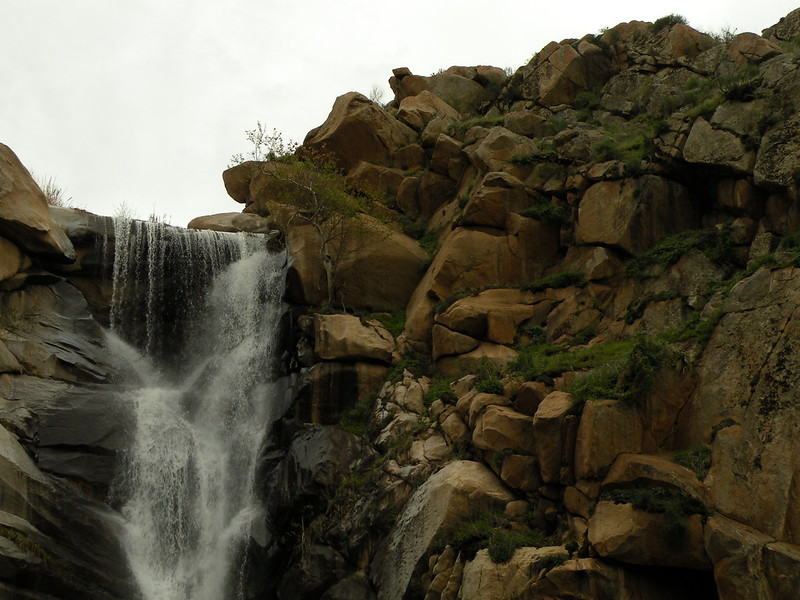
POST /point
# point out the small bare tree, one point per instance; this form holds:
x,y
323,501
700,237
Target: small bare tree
x,y
314,191
376,94
265,146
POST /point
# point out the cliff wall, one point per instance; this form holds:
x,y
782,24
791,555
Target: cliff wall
x,y
589,389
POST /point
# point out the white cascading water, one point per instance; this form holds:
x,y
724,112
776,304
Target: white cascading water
x,y
190,505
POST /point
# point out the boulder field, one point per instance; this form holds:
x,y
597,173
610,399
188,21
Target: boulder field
x,y
560,364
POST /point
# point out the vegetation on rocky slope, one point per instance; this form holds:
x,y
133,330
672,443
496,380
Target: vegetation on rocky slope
x,y
590,230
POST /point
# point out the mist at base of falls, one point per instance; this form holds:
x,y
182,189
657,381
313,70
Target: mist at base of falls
x,y
206,392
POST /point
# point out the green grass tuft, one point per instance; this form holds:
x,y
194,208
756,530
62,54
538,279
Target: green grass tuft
x,y
698,459
556,280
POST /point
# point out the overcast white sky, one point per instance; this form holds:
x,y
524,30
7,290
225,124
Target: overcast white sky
x,y
143,102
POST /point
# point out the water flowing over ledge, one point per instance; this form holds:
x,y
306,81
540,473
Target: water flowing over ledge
x,y
202,310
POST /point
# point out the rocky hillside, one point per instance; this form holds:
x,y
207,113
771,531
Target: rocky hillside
x,y
556,359
574,373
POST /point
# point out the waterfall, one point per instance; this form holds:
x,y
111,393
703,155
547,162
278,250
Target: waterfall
x,y
202,309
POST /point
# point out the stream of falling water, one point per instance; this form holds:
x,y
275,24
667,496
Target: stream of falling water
x,y
191,505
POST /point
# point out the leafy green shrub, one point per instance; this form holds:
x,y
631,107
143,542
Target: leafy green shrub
x,y
742,85
630,146
414,228
696,328
552,561
489,530
547,211
503,543
545,361
430,241
471,536
715,243
439,389
586,103
393,322
668,21
644,361
485,369
706,108
490,386
627,377
556,280
536,335
791,242
598,384
478,121
356,419
265,146
555,124
698,459
636,308
724,35
584,336
589,99
408,362
606,149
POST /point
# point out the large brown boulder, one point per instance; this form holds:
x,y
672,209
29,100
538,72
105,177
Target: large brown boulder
x,y
622,532
417,111
749,48
458,491
467,88
483,579
550,434
379,182
448,342
12,260
24,218
502,428
474,258
634,214
632,470
346,337
746,401
597,579
447,158
778,155
492,315
635,43
717,148
379,268
495,151
737,554
237,180
358,129
786,29
495,197
559,72
607,429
